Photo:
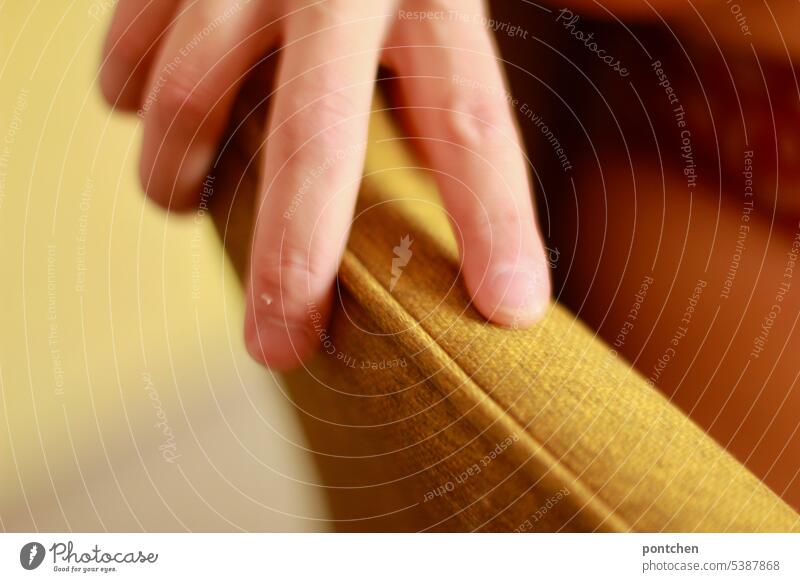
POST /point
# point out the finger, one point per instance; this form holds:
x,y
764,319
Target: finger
x,y
312,168
130,48
451,79
192,87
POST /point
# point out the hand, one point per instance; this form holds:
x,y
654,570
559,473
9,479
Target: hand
x,y
180,63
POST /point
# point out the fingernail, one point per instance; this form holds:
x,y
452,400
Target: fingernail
x,y
521,296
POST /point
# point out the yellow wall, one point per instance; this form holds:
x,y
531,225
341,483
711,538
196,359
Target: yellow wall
x,y
120,340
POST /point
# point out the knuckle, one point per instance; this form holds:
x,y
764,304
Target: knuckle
x,y
325,124
179,95
323,14
478,120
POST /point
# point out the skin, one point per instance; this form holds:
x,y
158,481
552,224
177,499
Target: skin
x,y
330,53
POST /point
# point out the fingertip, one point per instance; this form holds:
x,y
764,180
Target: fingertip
x,y
121,81
178,190
120,91
289,300
515,296
278,344
151,188
109,87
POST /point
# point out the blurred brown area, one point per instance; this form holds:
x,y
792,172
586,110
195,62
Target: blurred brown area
x,y
675,228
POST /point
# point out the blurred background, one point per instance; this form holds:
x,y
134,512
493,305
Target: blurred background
x,y
127,400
